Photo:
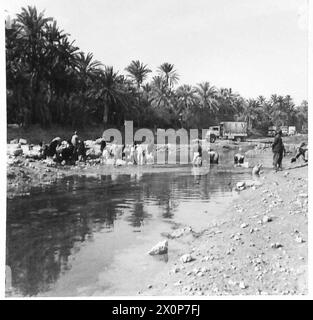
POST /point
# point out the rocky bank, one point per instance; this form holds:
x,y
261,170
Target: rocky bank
x,y
259,247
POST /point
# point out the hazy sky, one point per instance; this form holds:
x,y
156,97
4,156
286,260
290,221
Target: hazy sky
x,y
253,46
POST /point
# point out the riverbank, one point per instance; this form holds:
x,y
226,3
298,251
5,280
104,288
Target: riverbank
x,y
24,173
259,247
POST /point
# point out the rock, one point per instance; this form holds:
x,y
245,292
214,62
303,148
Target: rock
x,y
242,285
159,248
240,185
186,258
150,286
178,233
276,245
266,219
176,269
14,141
17,152
244,225
231,282
299,239
22,141
303,195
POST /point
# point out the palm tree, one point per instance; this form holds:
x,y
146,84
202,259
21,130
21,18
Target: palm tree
x,y
228,102
278,112
138,72
207,96
186,100
31,30
111,92
159,93
87,68
167,72
251,111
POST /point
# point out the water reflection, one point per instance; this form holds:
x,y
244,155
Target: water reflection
x,y
46,229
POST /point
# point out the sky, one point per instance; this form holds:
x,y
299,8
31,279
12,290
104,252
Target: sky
x,y
255,47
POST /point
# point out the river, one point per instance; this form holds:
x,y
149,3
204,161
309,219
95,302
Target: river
x,y
86,236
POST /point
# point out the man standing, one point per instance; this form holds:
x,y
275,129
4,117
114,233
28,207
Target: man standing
x,y
278,150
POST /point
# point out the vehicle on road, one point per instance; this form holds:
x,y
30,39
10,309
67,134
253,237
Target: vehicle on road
x,y
232,130
271,132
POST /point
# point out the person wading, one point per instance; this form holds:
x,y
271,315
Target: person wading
x,y
278,151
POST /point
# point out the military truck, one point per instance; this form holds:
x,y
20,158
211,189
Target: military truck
x,y
234,130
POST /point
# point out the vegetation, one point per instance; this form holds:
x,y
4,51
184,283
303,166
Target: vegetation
x,y
50,81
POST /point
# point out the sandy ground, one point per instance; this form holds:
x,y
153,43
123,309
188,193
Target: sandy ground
x,y
259,247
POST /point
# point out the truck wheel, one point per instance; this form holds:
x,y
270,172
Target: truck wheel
x,y
212,138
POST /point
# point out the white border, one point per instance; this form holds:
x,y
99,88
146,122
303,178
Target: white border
x,y
147,298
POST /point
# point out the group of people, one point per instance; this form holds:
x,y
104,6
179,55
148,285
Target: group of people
x,y
213,156
135,154
279,151
74,149
66,151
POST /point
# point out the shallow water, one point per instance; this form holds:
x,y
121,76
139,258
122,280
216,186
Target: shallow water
x,y
90,236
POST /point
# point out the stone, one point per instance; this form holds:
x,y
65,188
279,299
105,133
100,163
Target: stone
x,y
159,248
176,269
231,282
17,152
242,285
241,185
303,195
276,245
22,141
186,258
244,225
266,219
299,239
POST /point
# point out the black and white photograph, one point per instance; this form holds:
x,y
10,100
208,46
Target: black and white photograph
x,y
155,148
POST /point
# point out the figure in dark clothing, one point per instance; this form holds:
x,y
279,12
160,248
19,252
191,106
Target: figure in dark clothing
x,y
80,151
123,152
197,157
278,151
103,145
199,149
50,150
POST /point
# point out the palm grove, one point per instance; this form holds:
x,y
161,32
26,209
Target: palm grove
x,y
49,81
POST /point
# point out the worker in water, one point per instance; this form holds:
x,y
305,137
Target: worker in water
x,y
197,156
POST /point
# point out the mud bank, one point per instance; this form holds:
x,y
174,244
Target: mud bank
x,y
258,248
